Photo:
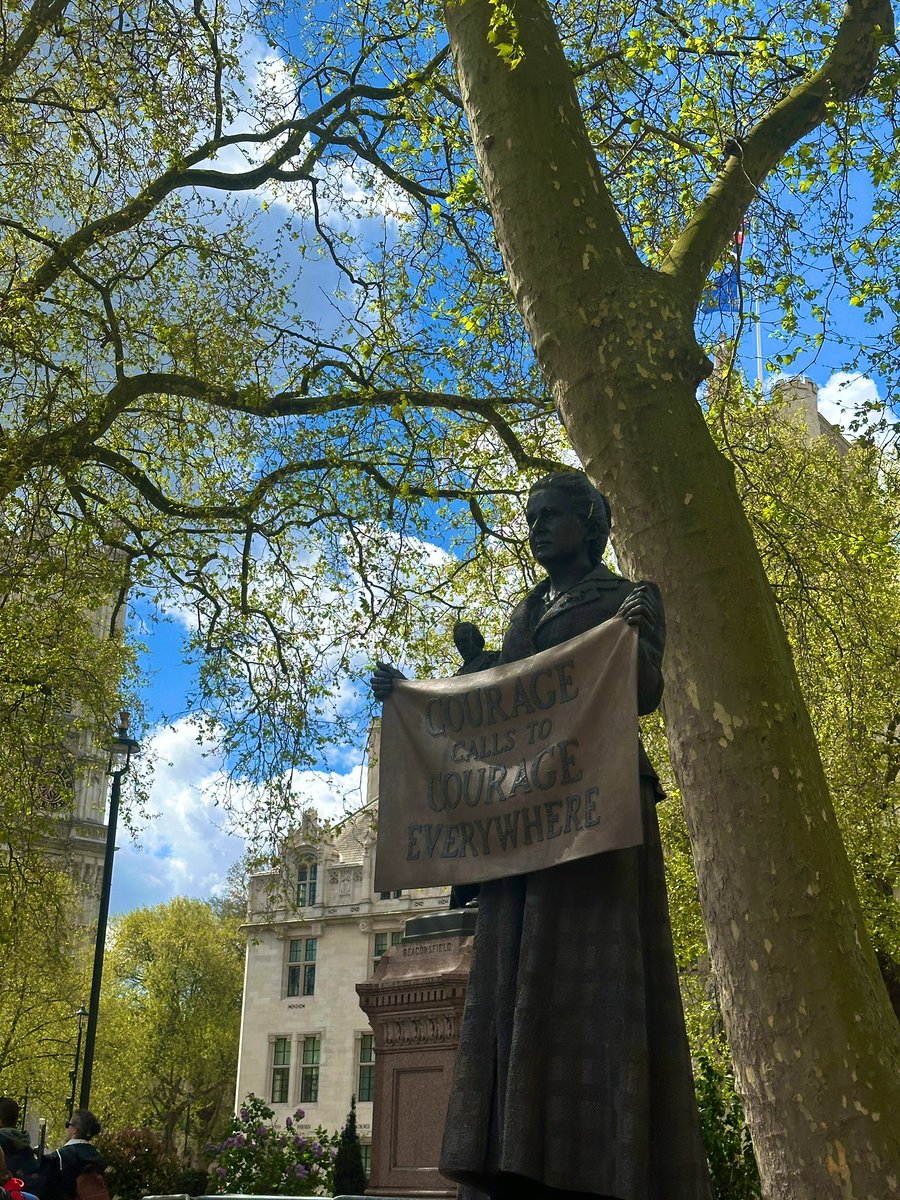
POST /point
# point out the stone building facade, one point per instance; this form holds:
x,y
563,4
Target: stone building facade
x,y
802,398
315,930
78,836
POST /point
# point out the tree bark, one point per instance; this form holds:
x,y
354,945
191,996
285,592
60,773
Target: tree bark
x,y
816,1044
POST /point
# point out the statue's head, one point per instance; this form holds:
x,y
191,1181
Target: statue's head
x,y
468,639
575,491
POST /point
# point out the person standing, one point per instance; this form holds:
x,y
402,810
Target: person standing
x,y
11,1187
77,1157
21,1157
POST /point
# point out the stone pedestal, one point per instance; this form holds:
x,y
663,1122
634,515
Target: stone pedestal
x,y
414,1004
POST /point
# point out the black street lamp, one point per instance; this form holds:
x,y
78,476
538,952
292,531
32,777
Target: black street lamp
x,y
73,1074
187,1122
120,752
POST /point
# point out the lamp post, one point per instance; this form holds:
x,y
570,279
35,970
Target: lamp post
x,y
120,752
73,1074
187,1122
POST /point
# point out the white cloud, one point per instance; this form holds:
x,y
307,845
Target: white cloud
x,y
189,845
341,652
186,849
849,398
350,192
265,96
332,794
176,608
846,394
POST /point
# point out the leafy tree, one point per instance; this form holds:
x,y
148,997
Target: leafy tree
x,y
823,522
615,337
264,463
41,987
350,1178
63,673
170,1021
232,903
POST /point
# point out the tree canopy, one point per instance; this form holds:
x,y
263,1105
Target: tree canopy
x,y
822,520
170,1021
42,984
268,417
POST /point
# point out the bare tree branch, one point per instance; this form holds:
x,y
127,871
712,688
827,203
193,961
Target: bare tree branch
x,y
324,121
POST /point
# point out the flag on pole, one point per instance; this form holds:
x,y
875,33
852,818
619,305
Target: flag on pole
x,y
723,293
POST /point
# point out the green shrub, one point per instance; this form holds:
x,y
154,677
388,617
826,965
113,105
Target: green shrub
x,y
193,1181
729,1150
137,1165
257,1158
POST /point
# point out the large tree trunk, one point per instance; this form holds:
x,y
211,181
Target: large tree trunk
x,y
816,1044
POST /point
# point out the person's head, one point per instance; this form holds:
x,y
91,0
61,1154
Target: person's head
x,y
580,517
9,1112
83,1124
468,640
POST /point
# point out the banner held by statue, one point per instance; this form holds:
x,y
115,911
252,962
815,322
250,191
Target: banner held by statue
x,y
514,769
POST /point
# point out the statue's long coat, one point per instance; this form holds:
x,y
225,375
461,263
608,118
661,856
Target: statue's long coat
x,y
573,1066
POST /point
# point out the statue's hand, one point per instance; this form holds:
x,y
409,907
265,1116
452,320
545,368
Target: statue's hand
x,y
382,680
639,608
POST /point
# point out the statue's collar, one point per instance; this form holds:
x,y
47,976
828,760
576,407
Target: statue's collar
x,y
600,579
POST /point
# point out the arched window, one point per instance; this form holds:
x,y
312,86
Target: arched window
x,y
307,875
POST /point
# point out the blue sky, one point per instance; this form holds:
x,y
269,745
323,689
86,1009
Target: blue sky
x,y
186,847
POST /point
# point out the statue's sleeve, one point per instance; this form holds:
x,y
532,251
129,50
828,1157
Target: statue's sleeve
x,y
651,645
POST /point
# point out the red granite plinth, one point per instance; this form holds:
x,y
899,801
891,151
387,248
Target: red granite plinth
x,y
414,1004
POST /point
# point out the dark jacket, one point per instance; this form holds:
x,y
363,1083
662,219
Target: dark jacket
x,y
62,1168
21,1157
77,1156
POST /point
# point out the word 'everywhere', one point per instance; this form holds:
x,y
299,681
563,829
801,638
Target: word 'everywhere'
x,y
502,832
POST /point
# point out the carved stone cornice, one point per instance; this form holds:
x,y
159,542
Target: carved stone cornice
x,y
420,1029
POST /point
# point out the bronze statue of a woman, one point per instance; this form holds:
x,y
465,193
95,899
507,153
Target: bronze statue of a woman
x,y
573,1076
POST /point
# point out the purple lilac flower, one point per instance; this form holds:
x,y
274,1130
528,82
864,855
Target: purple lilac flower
x,y
300,1171
221,1172
300,1142
239,1140
245,1114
